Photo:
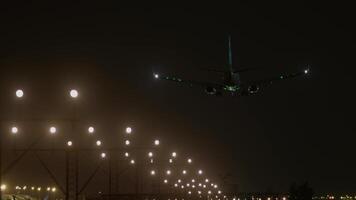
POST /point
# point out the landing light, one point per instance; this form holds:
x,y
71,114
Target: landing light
x,y
156,75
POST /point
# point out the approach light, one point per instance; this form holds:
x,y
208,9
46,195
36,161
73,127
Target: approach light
x,y
200,172
98,143
14,130
52,130
193,180
69,143
128,130
54,189
156,76
156,142
170,160
179,181
209,192
39,189
127,154
175,185
73,93
215,186
306,71
206,180
182,186
184,171
153,172
168,172
189,160
91,130
199,192
187,184
150,154
165,181
19,93
32,188
189,192
48,189
174,154
24,187
127,142
103,155
219,192
132,161
204,186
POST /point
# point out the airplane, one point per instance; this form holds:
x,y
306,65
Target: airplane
x,y
232,83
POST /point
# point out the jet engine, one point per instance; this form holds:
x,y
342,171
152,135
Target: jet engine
x,y
252,89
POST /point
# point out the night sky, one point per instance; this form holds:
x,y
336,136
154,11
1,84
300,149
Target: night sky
x,y
297,130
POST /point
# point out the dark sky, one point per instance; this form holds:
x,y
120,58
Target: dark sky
x,y
298,130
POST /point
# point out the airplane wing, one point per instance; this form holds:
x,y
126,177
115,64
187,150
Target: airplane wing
x,y
190,83
269,81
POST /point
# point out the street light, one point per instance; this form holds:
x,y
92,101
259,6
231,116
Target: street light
x,y
91,130
103,155
14,130
19,93
150,154
69,143
3,187
127,142
73,93
128,130
52,130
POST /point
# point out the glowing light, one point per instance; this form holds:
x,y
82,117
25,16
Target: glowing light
x,y
156,142
52,130
168,172
206,180
153,172
199,192
127,154
24,187
200,172
179,181
219,192
174,154
182,186
150,154
193,180
103,155
306,71
32,188
132,161
175,185
165,181
215,186
128,130
19,93
193,186
209,192
170,160
199,184
189,160
91,130
98,143
48,189
14,130
204,186
54,189
156,76
3,187
127,142
73,93
184,172
69,143
39,189
189,192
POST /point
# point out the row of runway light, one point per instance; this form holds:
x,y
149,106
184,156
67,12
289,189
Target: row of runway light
x,y
27,188
195,184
